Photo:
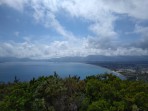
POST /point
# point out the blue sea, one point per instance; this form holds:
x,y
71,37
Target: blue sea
x,y
25,71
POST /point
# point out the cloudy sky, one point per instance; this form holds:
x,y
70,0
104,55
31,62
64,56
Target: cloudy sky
x,y
57,28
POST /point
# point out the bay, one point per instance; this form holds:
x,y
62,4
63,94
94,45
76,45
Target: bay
x,y
25,71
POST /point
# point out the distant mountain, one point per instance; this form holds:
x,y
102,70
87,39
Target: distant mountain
x,y
116,58
68,59
100,58
13,59
90,58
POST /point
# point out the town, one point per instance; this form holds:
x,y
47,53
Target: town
x,y
131,70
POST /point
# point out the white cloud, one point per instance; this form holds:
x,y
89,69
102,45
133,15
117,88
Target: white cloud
x,y
133,8
96,12
58,27
101,15
100,18
44,12
16,4
90,9
141,30
61,49
104,31
143,41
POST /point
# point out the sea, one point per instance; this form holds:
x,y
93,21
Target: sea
x,y
25,71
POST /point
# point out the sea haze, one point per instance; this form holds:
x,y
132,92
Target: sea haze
x,y
27,70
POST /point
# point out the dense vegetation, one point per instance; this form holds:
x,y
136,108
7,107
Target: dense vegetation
x,y
95,93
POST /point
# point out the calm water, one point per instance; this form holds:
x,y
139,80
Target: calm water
x,y
27,70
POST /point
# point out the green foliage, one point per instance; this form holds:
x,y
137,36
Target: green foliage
x,y
95,93
100,105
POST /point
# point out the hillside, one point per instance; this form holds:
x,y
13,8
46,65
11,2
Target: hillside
x,y
94,93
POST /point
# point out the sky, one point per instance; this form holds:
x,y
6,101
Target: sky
x,y
44,29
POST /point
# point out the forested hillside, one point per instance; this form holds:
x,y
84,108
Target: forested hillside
x,y
94,93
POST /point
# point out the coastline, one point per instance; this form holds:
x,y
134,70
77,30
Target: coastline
x,y
123,77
